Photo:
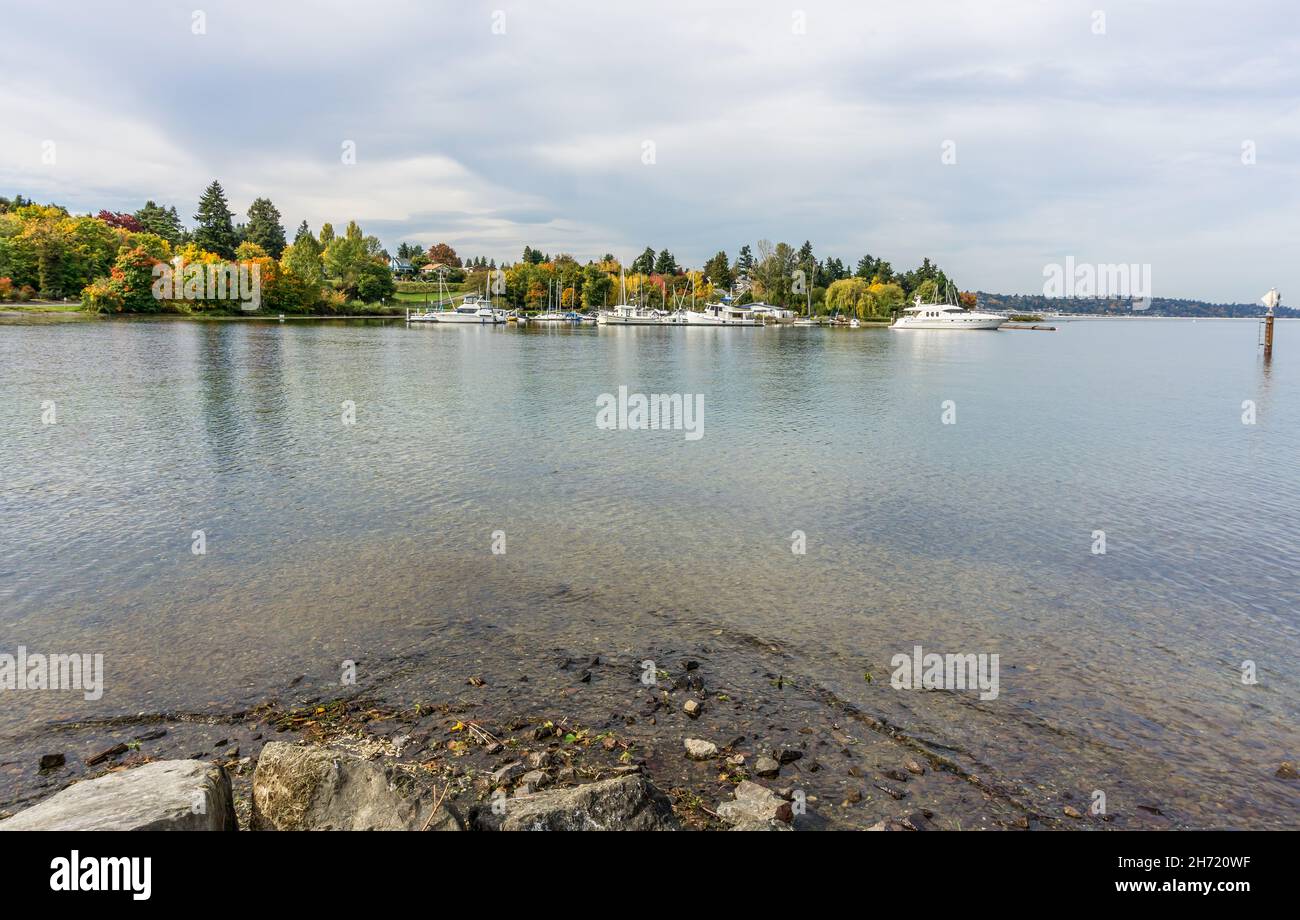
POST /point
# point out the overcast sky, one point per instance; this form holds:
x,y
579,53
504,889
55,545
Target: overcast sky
x,y
491,125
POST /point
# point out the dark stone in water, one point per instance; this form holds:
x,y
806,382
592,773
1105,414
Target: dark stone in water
x,y
918,821
51,761
114,751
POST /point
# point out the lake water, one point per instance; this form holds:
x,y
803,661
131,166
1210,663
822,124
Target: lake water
x,y
1119,671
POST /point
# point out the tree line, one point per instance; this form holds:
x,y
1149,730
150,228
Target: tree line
x,y
109,260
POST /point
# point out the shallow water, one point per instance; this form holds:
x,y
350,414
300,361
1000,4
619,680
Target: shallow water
x,y
1119,672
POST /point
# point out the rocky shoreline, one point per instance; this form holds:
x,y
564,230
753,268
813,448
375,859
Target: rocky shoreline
x,y
565,742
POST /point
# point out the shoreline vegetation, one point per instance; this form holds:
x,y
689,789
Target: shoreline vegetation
x,y
109,264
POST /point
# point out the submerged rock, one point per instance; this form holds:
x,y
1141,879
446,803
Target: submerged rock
x,y
698,749
166,795
627,803
917,821
299,788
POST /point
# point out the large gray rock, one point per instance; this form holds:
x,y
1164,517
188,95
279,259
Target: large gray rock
x,y
626,803
755,805
166,795
298,788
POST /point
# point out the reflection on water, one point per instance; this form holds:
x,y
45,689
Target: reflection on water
x,y
325,541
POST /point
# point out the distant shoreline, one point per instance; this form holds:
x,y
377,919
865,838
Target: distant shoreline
x,y
69,308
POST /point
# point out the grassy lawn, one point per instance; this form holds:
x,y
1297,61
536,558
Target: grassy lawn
x,y
432,296
51,306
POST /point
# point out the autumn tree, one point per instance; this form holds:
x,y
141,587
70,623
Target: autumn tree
x,y
443,254
596,287
120,220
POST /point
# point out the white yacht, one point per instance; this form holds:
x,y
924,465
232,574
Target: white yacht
x,y
625,314
472,310
945,316
721,314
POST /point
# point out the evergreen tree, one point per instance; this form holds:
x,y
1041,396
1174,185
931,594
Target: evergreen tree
x,y
665,264
868,267
718,270
214,231
160,221
644,264
805,259
744,262
303,230
264,227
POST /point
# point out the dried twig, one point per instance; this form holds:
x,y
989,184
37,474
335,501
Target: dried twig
x,y
436,806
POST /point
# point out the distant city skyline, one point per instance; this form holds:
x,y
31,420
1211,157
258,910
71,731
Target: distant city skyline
x,y
993,141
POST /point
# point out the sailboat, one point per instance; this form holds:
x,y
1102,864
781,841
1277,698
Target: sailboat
x,y
807,319
472,310
552,314
626,314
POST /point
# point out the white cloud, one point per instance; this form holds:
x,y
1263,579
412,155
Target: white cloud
x,y
1125,143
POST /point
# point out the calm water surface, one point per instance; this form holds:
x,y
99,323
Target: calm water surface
x,y
1119,672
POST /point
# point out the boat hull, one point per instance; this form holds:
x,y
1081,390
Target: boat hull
x,y
462,319
708,319
629,321
968,324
